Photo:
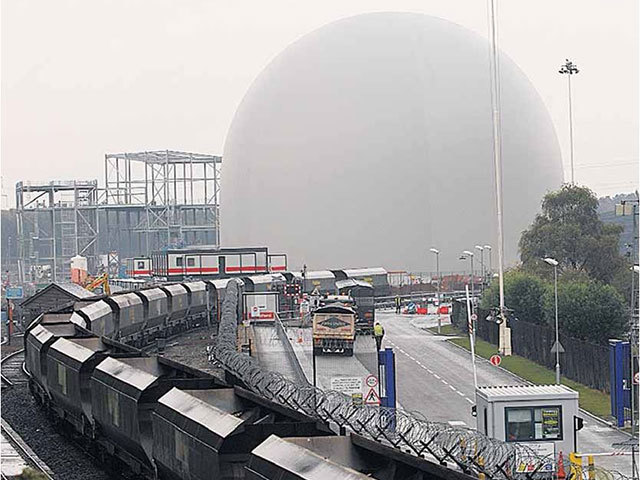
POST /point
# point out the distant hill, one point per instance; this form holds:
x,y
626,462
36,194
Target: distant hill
x,y
607,213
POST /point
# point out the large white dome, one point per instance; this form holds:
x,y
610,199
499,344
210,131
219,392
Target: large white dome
x,y
369,141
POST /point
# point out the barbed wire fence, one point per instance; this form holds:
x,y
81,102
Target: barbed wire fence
x,y
472,452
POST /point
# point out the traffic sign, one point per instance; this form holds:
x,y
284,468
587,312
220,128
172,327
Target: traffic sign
x,y
372,398
636,378
13,292
474,317
371,381
557,347
495,360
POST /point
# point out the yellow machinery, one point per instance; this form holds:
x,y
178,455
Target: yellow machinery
x,y
99,281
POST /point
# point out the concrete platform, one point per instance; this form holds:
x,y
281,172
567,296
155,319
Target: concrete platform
x,y
11,463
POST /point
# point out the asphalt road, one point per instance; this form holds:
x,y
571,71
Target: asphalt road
x,y
435,378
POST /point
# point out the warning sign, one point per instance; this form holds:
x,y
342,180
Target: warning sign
x,y
347,385
372,398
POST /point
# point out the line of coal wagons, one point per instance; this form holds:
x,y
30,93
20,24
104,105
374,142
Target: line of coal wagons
x,y
164,420
148,414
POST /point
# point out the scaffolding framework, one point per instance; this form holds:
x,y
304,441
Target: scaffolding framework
x,y
55,221
163,198
151,200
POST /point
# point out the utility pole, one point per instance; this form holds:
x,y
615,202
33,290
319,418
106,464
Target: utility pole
x,y
505,332
569,68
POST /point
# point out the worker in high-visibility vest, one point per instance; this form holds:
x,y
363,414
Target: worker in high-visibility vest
x,y
398,303
378,333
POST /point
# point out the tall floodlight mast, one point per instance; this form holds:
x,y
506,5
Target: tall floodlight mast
x,y
569,68
505,332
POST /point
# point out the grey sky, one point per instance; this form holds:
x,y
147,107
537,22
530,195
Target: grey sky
x,y
81,78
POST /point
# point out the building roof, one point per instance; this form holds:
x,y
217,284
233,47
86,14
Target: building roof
x,y
352,282
526,392
267,278
71,290
316,274
357,272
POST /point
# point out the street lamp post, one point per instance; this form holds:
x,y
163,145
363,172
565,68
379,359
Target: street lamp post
x,y
488,247
478,247
470,255
437,254
554,264
568,69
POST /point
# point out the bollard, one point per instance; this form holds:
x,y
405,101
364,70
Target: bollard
x,y
576,465
481,476
591,472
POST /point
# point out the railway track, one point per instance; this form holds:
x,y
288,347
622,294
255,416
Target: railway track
x,y
25,452
13,372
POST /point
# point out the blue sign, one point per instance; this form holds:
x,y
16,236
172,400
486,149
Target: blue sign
x,y
13,293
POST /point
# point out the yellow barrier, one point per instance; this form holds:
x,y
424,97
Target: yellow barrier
x,y
577,469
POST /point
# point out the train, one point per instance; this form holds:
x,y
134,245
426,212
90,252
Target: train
x,y
147,414
144,314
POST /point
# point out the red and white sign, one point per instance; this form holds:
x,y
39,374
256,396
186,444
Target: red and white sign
x,y
636,378
260,306
372,397
495,360
371,381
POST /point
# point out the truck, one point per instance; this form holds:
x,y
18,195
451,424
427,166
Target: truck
x,y
334,329
361,295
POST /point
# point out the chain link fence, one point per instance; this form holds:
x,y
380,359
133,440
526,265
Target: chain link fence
x,y
582,361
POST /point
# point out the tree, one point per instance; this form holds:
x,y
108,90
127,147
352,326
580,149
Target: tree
x,y
569,230
523,293
588,310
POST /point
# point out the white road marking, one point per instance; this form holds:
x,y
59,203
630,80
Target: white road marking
x,y
453,422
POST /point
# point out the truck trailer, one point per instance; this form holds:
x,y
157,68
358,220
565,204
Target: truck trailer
x,y
334,329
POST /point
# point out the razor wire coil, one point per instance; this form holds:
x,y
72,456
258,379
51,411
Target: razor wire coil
x,y
469,450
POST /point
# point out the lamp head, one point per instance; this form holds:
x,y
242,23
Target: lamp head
x,y
434,250
551,261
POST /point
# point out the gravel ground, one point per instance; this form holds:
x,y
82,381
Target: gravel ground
x,y
191,349
64,458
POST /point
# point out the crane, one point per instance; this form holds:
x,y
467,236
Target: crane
x,y
100,281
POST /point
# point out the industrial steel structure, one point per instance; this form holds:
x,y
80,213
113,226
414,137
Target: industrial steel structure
x,y
150,200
